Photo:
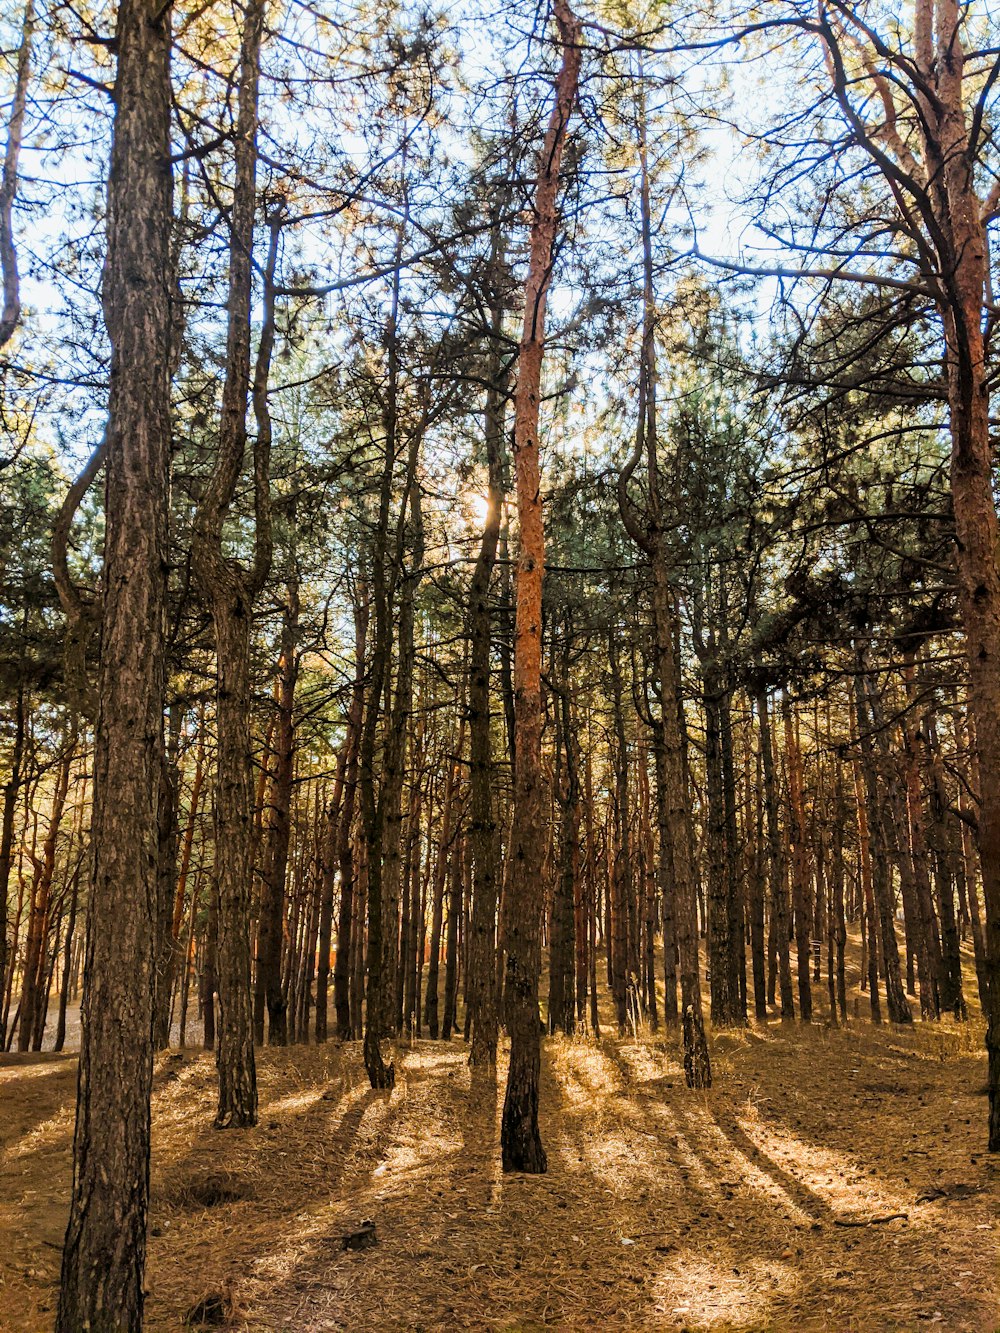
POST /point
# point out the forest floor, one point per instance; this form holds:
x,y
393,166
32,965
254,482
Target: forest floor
x,y
766,1203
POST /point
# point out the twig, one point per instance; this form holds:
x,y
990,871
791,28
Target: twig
x,y
869,1221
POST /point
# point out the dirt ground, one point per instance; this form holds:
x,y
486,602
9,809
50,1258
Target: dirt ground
x,y
763,1204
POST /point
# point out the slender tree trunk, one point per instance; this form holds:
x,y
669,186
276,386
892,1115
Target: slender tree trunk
x,y
166,876
437,905
758,892
328,875
931,1004
649,894
11,792
621,869
561,951
449,1020
189,960
345,852
269,990
777,864
230,591
896,827
483,830
720,942
380,799
869,952
39,908
945,855
838,917
664,878
359,943
801,915
520,1141
896,1003
414,924
651,538
394,766
67,968
177,952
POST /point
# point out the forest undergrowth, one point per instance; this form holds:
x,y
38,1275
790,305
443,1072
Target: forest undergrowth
x,y
832,1179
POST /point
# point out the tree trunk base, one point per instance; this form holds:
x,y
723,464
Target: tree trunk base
x,y
697,1066
237,1106
380,1075
483,1054
993,1052
235,1120
520,1142
277,1022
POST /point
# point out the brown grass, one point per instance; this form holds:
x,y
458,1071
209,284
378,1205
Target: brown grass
x,y
662,1208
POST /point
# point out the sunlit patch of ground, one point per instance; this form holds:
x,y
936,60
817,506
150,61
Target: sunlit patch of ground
x,y
762,1204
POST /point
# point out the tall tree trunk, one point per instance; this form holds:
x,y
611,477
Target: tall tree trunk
x,y
345,850
178,951
651,537
67,964
720,942
11,792
664,877
328,875
230,591
411,939
520,1141
359,950
483,830
735,905
269,990
380,794
869,952
188,959
801,914
455,866
394,762
931,1005
622,983
776,862
965,286
39,907
561,951
105,1249
837,914
895,996
167,835
437,905
758,888
945,852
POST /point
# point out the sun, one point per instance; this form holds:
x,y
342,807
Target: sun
x,y
479,507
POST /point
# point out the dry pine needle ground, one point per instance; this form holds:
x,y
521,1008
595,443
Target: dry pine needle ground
x,y
662,1208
